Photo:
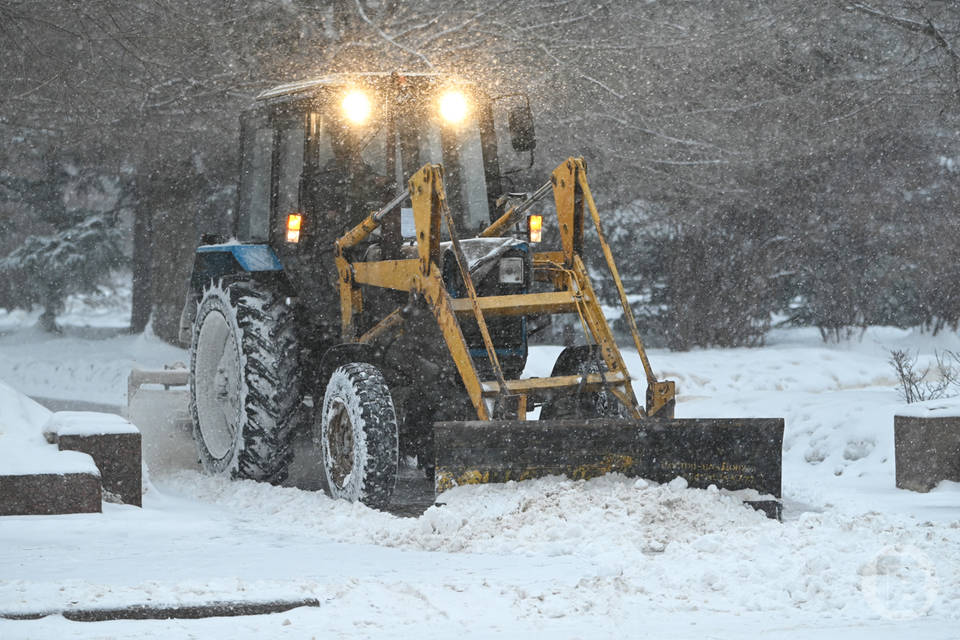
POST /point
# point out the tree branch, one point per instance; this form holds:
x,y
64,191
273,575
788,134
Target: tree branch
x,y
385,36
927,28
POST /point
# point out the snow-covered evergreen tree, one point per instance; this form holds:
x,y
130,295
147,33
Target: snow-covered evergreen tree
x,y
74,260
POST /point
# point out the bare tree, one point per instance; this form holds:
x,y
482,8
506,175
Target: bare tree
x,y
835,117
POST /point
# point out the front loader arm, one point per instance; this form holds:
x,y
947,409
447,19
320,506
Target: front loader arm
x,y
420,275
571,192
429,208
565,269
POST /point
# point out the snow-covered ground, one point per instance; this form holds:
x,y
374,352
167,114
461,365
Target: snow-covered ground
x,y
855,557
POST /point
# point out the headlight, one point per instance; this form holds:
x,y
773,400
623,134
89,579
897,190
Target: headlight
x,y
356,106
453,107
511,271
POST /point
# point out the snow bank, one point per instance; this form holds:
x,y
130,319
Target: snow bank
x,y
553,516
23,449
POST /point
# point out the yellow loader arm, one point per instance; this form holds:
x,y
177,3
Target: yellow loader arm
x,y
573,294
570,191
502,444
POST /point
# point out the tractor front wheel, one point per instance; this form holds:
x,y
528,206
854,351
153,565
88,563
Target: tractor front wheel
x,y
358,436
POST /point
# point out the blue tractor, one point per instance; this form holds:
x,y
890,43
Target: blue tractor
x,y
262,315
382,282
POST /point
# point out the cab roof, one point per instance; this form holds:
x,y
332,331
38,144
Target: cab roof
x,y
303,87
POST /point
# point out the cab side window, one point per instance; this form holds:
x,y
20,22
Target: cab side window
x,y
253,210
290,145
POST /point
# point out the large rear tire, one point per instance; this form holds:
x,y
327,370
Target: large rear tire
x,y
581,360
358,436
244,381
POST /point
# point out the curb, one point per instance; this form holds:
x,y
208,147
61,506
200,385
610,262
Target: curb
x,y
160,612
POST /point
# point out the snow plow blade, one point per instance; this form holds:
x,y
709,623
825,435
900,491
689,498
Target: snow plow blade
x,y
729,453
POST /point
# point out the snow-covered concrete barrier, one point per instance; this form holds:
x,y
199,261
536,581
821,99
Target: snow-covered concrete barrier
x,y
927,446
36,478
112,442
71,486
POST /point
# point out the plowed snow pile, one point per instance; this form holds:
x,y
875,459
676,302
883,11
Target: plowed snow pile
x,y
551,516
678,548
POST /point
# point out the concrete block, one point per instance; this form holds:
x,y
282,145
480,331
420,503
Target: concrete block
x,y
927,451
112,442
49,493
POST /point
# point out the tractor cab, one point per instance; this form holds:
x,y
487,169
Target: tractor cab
x,y
319,156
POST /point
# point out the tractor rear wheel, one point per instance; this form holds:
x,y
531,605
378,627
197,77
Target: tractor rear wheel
x,y
244,381
581,360
358,436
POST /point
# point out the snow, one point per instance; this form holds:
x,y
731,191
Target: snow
x,y
24,450
85,363
87,423
557,558
943,408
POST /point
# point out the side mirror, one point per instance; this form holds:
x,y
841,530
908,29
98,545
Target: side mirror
x,y
520,121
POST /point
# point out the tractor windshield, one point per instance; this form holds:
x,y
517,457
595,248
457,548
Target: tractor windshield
x,y
355,166
459,151
341,152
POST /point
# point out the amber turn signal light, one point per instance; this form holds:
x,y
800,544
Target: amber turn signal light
x,y
294,220
535,228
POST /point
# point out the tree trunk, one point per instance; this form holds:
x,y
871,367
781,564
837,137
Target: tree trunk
x,y
142,262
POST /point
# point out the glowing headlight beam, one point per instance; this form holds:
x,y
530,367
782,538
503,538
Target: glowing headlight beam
x,y
453,107
356,106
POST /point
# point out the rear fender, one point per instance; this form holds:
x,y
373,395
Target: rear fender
x,y
225,262
218,261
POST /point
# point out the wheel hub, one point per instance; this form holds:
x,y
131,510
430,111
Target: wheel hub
x,y
340,444
227,384
218,381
